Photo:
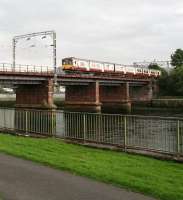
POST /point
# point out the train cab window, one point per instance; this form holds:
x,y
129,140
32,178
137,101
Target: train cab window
x,y
67,62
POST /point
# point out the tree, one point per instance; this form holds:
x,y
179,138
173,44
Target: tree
x,y
176,81
171,84
154,66
177,58
163,81
157,67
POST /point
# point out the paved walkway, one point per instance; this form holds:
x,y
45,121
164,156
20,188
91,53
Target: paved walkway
x,y
25,180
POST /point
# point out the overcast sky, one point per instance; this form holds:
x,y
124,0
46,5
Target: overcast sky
x,y
120,31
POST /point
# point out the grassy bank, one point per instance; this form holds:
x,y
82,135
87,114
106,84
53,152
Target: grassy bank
x,y
161,179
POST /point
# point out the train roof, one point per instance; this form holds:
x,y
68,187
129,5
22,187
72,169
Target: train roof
x,y
91,60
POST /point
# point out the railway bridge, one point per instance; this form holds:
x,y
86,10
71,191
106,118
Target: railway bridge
x,y
34,87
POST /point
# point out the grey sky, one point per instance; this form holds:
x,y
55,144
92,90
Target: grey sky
x,y
117,31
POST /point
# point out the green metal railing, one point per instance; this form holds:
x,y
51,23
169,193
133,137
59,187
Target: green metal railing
x,y
161,134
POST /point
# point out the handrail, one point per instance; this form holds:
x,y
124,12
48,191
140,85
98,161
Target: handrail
x,y
23,68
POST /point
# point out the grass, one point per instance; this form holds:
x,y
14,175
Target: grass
x,y
160,179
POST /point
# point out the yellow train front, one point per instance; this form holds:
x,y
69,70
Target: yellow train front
x,y
67,64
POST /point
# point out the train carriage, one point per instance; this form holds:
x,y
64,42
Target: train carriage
x,y
155,73
130,70
146,72
80,64
77,64
67,64
95,66
139,71
108,67
120,68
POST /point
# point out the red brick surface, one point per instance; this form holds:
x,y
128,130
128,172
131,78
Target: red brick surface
x,y
35,95
82,93
109,94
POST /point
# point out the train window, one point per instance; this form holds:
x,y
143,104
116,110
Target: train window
x,y
70,62
67,62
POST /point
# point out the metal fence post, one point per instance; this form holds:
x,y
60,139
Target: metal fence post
x,y
4,119
125,133
53,117
84,127
52,123
178,137
26,123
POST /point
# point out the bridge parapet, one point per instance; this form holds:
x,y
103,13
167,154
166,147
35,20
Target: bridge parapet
x,y
20,68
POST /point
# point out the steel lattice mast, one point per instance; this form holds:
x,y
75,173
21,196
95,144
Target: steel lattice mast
x,y
31,35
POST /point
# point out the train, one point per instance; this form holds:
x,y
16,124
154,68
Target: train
x,y
85,65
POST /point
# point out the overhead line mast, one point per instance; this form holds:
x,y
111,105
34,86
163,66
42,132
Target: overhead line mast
x,y
31,35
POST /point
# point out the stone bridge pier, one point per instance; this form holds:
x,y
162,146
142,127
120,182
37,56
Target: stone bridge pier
x,y
83,97
35,96
95,96
115,97
142,93
91,96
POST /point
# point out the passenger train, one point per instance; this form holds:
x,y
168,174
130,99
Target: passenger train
x,y
77,64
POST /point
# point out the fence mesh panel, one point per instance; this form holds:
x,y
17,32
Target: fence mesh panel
x,y
145,132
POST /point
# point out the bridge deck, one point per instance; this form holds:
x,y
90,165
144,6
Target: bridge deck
x,y
26,74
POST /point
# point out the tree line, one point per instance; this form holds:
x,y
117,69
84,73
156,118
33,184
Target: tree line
x,y
171,84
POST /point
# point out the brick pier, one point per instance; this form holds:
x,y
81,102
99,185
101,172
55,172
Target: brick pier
x,y
83,97
35,96
84,93
116,97
93,97
142,94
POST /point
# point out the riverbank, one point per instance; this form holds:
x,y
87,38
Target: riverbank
x,y
160,179
164,106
